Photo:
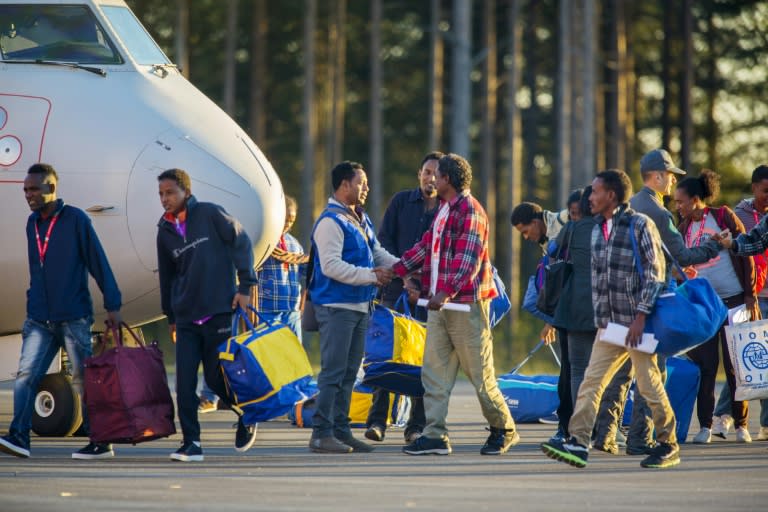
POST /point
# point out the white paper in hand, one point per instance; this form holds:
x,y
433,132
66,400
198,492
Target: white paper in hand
x,y
616,334
450,306
738,315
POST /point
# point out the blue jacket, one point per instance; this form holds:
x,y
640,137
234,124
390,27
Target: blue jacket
x,y
197,271
58,289
357,250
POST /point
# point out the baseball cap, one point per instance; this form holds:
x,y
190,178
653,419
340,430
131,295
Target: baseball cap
x,y
658,160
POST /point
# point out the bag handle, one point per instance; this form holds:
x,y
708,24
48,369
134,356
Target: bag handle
x,y
241,314
403,300
569,230
117,334
531,353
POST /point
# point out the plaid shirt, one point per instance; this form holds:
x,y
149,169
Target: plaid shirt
x,y
754,242
464,271
618,293
280,283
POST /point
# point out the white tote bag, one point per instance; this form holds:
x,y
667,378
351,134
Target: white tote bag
x,y
748,347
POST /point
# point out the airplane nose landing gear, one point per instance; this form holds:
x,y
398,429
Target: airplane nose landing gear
x,y
58,411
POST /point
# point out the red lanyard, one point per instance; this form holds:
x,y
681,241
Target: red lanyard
x,y
42,248
605,231
697,241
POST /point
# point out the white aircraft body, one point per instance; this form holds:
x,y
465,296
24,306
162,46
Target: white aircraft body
x,y
85,88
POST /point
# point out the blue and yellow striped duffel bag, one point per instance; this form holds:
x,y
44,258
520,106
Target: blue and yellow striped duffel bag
x,y
266,369
394,351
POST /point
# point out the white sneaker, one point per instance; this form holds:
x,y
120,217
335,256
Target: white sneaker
x,y
703,437
742,435
721,425
762,435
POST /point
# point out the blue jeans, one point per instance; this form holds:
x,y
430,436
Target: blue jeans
x,y
342,340
40,343
290,318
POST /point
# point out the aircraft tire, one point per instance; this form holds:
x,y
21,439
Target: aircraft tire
x,y
57,408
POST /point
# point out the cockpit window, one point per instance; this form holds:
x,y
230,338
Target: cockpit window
x,y
140,44
63,33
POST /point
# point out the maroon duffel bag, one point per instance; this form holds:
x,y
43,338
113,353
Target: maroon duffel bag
x,y
126,392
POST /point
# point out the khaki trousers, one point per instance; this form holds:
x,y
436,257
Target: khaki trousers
x,y
605,361
460,340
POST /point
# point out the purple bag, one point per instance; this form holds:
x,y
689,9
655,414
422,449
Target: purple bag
x,y
126,393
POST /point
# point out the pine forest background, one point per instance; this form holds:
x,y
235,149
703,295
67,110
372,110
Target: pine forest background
x,y
538,95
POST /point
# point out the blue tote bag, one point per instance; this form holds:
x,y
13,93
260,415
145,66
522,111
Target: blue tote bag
x,y
684,316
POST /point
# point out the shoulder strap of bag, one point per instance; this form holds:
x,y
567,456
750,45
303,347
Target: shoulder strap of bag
x,y
636,252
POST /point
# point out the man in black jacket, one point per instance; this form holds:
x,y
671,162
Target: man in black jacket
x,y
198,247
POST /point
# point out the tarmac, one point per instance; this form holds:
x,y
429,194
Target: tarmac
x,y
280,474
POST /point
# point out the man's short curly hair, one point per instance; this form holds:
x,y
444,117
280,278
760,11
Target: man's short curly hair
x,y
457,169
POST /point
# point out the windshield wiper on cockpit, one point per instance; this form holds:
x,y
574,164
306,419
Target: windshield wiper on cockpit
x,y
161,70
75,65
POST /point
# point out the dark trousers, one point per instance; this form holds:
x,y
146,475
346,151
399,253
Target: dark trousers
x,y
379,412
565,409
707,358
196,344
342,340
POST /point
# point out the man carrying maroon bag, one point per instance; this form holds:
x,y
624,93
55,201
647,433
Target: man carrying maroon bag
x,y
63,249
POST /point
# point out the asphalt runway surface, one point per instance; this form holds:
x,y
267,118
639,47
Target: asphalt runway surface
x,y
279,473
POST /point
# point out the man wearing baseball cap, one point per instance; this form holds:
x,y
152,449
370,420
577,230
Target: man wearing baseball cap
x,y
659,179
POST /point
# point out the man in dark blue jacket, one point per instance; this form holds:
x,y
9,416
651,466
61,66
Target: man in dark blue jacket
x,y
199,247
63,249
409,214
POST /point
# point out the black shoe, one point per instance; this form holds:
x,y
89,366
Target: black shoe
x,y
245,435
94,451
375,432
328,444
14,446
639,450
189,452
428,446
499,441
663,455
561,435
356,445
569,452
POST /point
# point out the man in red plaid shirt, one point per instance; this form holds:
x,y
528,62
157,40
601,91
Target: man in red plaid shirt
x,y
453,259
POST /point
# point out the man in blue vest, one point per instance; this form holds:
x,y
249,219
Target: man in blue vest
x,y
348,262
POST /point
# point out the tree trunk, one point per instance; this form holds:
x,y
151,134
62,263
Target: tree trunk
x,y
563,106
586,167
229,58
259,74
309,209
666,75
375,165
461,87
338,105
436,80
616,97
686,84
181,40
488,178
508,247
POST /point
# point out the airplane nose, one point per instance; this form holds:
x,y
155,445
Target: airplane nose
x,y
240,179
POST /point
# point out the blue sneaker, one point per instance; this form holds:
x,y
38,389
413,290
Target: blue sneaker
x,y
189,452
569,452
14,446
